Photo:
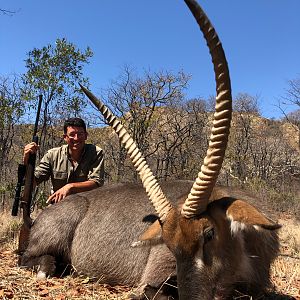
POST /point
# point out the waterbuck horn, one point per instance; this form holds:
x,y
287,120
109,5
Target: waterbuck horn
x,y
153,190
198,197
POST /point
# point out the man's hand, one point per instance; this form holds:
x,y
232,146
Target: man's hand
x,y
71,188
29,149
60,194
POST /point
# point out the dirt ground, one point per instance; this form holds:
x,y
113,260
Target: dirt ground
x,y
16,283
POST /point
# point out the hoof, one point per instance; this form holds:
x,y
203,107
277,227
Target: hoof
x,y
41,275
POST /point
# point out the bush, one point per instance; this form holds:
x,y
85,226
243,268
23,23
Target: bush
x,y
282,201
9,226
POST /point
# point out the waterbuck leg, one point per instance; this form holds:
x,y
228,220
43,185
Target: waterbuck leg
x,y
45,265
159,268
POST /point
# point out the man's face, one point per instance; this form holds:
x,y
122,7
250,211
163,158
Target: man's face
x,y
75,138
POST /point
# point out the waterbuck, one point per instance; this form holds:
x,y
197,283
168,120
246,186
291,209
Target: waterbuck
x,y
206,235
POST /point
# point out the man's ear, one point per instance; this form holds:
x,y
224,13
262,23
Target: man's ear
x,y
151,236
244,213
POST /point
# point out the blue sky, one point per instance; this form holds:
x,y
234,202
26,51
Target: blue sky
x,y
261,39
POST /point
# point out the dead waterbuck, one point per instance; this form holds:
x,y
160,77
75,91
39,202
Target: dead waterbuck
x,y
213,239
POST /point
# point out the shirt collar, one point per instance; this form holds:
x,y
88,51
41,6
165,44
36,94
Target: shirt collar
x,y
68,153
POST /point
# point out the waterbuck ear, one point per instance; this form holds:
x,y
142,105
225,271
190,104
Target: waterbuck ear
x,y
152,235
244,213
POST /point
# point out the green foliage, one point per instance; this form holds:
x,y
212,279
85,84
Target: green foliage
x,y
41,198
11,108
54,72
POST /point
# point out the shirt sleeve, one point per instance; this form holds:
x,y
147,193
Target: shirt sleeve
x,y
96,172
43,170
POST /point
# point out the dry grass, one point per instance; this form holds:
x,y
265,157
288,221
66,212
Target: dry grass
x,y
286,269
16,283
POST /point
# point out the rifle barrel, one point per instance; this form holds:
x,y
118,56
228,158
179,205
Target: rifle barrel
x,y
37,116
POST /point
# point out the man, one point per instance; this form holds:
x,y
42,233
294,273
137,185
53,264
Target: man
x,y
73,168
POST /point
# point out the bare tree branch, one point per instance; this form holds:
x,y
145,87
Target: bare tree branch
x,y
7,12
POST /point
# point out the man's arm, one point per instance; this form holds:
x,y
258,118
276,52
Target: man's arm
x,y
72,188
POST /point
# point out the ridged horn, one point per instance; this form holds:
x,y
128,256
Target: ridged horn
x,y
198,197
153,190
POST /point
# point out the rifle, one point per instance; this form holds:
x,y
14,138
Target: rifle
x,y
27,172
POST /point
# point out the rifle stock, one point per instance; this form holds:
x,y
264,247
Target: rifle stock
x,y
28,190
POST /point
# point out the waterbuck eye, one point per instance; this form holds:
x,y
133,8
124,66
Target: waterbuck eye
x,y
208,234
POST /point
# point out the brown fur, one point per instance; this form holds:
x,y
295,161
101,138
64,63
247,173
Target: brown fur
x,y
94,231
240,253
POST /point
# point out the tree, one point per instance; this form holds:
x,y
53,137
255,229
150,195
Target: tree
x,y
260,149
293,91
245,103
136,100
181,139
293,97
7,12
294,117
245,115
54,72
174,130
11,110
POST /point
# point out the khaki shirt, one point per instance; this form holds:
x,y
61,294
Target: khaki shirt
x,y
56,164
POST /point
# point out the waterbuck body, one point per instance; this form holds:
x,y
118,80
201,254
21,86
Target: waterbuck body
x,y
94,232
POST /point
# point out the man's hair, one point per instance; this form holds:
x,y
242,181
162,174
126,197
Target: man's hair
x,y
74,122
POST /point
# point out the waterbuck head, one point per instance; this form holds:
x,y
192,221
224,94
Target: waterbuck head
x,y
205,233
